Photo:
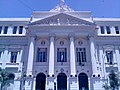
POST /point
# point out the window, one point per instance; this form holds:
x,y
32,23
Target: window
x,y
102,29
20,29
81,55
42,55
13,57
5,29
0,29
61,55
14,29
108,29
117,29
42,42
0,54
109,56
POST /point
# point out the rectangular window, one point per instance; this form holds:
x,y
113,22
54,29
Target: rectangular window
x,y
108,29
102,29
14,29
81,55
42,55
20,29
117,30
13,57
61,55
0,54
109,56
5,29
0,29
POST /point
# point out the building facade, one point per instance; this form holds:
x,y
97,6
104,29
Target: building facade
x,y
61,49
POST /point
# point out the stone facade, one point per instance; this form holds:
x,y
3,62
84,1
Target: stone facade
x,y
59,50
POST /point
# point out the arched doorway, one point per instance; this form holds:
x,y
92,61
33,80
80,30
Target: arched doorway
x,y
61,81
40,81
83,81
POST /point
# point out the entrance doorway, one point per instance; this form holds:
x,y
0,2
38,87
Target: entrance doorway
x,y
83,81
61,81
40,81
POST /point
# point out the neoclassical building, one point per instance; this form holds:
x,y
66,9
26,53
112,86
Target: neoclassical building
x,y
60,49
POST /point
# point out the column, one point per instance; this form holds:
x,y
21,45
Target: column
x,y
93,58
10,29
50,80
72,57
118,57
5,57
51,56
73,85
30,56
102,61
34,84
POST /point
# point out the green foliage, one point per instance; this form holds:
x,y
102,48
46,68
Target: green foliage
x,y
113,81
4,79
106,86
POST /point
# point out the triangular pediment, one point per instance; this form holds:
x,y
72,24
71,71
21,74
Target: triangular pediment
x,y
62,19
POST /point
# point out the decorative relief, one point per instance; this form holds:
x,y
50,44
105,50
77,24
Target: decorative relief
x,y
80,42
43,42
61,43
62,19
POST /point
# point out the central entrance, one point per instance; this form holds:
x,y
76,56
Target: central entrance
x,y
83,81
61,81
40,81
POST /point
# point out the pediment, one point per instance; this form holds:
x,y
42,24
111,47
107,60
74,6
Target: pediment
x,y
62,19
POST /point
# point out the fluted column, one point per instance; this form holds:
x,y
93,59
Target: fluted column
x,y
30,56
92,52
72,56
51,56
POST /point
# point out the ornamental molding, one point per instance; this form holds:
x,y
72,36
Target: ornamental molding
x,y
61,19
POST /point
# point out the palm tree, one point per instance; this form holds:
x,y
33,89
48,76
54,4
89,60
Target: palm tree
x,y
4,78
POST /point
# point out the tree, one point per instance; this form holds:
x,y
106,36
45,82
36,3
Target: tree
x,y
113,81
4,78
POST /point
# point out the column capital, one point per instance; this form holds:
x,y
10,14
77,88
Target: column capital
x,y
33,37
52,35
90,37
71,35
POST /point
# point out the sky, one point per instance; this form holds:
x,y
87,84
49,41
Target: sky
x,y
24,8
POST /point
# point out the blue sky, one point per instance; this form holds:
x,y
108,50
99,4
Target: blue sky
x,y
21,8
